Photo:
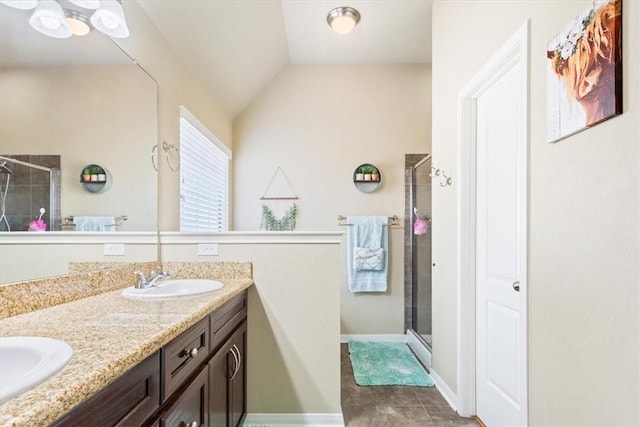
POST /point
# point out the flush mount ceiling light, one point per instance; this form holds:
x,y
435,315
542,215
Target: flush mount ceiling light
x,y
343,19
64,18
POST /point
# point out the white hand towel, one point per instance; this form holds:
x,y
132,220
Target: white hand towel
x,y
368,259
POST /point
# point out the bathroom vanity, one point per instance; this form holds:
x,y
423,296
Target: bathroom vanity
x,y
198,379
157,363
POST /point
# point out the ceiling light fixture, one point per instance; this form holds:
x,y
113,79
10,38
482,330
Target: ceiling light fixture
x,y
343,19
64,18
78,22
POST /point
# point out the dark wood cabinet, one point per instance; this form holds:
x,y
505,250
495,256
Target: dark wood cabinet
x,y
128,401
191,407
183,356
237,381
198,379
227,318
227,373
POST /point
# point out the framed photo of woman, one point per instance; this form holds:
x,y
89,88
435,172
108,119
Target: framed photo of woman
x,y
585,71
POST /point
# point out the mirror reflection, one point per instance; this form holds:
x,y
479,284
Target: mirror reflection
x,y
78,121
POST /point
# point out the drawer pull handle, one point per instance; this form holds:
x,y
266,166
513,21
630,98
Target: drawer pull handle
x,y
235,351
192,354
192,424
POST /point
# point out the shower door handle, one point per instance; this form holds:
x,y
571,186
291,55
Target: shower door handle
x,y
516,286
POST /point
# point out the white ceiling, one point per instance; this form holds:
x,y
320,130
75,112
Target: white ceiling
x,y
389,32
237,46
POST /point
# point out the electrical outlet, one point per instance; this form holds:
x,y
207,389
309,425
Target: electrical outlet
x,y
114,249
208,249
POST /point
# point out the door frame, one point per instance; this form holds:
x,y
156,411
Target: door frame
x,y
515,50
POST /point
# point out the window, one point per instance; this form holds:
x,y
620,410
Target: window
x,y
204,177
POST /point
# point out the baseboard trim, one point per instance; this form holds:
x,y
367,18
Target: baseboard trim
x,y
445,391
306,420
373,337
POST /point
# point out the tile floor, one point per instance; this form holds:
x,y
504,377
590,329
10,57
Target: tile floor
x,y
390,406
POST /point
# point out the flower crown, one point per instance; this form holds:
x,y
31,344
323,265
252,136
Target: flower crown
x,y
563,45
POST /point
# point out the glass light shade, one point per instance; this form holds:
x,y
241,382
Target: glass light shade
x,y
86,4
78,27
48,18
109,19
343,19
21,4
343,24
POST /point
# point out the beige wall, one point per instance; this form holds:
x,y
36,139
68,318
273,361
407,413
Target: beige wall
x,y
176,86
93,114
318,123
293,328
22,262
584,200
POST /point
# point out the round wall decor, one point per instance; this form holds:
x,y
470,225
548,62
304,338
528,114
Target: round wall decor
x,y
95,179
367,178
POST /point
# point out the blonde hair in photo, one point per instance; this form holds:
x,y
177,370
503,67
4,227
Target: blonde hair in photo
x,y
598,48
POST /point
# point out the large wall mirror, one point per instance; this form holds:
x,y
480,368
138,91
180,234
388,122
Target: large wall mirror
x,y
67,105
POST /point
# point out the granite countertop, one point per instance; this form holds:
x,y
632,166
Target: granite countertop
x,y
109,335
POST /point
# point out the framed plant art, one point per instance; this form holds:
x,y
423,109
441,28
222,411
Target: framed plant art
x,y
585,70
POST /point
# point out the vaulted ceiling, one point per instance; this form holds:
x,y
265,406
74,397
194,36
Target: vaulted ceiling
x,y
237,46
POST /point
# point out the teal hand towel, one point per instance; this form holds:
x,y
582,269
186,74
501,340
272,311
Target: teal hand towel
x,y
368,232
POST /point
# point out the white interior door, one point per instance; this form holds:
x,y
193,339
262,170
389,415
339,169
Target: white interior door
x,y
501,251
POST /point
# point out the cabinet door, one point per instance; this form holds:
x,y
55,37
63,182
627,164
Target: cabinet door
x,y
190,409
220,369
237,387
227,373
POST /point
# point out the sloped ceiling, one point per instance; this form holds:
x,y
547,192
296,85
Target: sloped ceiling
x,y
237,46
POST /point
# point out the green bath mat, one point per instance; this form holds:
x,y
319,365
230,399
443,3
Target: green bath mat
x,y
386,363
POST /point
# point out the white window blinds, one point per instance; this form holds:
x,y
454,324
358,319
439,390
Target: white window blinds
x,y
204,178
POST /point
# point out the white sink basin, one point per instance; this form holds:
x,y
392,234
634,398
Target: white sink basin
x,y
26,362
174,288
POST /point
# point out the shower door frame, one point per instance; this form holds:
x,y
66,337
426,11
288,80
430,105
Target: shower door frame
x,y
412,161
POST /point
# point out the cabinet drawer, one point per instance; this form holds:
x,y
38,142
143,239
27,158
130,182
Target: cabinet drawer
x,y
190,409
182,357
227,318
128,401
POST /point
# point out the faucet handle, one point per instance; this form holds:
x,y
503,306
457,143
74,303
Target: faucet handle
x,y
142,280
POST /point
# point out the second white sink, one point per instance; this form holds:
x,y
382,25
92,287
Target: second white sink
x,y
28,361
174,288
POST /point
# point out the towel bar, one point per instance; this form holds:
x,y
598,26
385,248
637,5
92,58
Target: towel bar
x,y
68,221
391,221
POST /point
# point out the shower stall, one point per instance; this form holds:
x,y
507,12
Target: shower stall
x,y
418,261
29,183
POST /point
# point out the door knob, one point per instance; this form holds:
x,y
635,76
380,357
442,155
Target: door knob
x,y
516,286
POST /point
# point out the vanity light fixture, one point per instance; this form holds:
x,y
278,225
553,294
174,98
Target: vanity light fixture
x,y
64,18
343,19
21,4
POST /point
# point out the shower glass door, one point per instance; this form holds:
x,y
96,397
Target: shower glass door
x,y
421,250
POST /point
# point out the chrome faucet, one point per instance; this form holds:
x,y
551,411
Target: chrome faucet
x,y
147,282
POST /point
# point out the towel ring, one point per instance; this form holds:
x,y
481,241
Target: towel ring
x,y
154,150
167,148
